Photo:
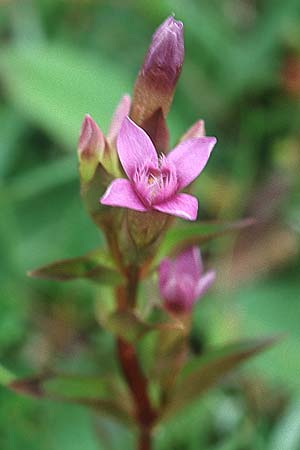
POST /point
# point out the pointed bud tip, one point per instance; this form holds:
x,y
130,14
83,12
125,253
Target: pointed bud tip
x,y
165,55
171,24
90,148
91,139
120,113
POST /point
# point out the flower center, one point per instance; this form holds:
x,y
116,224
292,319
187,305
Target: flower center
x,y
179,292
153,184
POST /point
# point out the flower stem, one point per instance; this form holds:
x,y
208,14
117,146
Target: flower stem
x,y
136,381
145,440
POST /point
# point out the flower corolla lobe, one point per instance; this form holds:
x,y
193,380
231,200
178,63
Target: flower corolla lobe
x,y
154,181
182,281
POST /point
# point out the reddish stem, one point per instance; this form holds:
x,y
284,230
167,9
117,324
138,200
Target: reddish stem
x,y
137,383
133,374
144,440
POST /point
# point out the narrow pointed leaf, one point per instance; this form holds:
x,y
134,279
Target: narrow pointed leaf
x,y
95,265
101,394
203,373
179,238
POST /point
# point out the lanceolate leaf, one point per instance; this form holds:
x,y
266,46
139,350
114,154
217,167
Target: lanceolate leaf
x,y
181,237
101,394
95,265
201,374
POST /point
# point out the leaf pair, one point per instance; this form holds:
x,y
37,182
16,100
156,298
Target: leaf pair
x,y
108,396
98,266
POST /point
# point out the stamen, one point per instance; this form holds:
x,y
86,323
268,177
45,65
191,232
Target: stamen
x,y
154,185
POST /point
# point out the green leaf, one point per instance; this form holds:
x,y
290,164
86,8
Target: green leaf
x,y
181,237
203,373
95,265
104,395
128,325
6,376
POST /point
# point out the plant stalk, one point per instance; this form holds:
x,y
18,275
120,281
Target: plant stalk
x,y
136,381
145,440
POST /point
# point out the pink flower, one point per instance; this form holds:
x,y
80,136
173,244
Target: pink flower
x,y
154,181
182,281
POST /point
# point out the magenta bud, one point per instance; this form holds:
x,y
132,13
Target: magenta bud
x,y
182,281
90,148
157,78
165,55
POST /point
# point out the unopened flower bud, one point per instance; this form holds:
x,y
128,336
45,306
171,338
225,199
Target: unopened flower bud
x,y
121,111
156,81
182,281
110,159
90,148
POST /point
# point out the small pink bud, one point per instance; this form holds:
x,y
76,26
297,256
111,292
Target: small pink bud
x,y
156,81
90,148
182,281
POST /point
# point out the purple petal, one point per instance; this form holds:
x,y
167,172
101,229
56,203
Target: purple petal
x,y
181,205
190,158
120,193
205,283
165,55
134,147
120,113
189,262
165,272
178,294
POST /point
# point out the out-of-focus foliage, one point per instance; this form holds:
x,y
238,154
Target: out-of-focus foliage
x,y
60,60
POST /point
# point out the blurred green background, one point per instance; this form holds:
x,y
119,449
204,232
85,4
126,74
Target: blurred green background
x,y
61,59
